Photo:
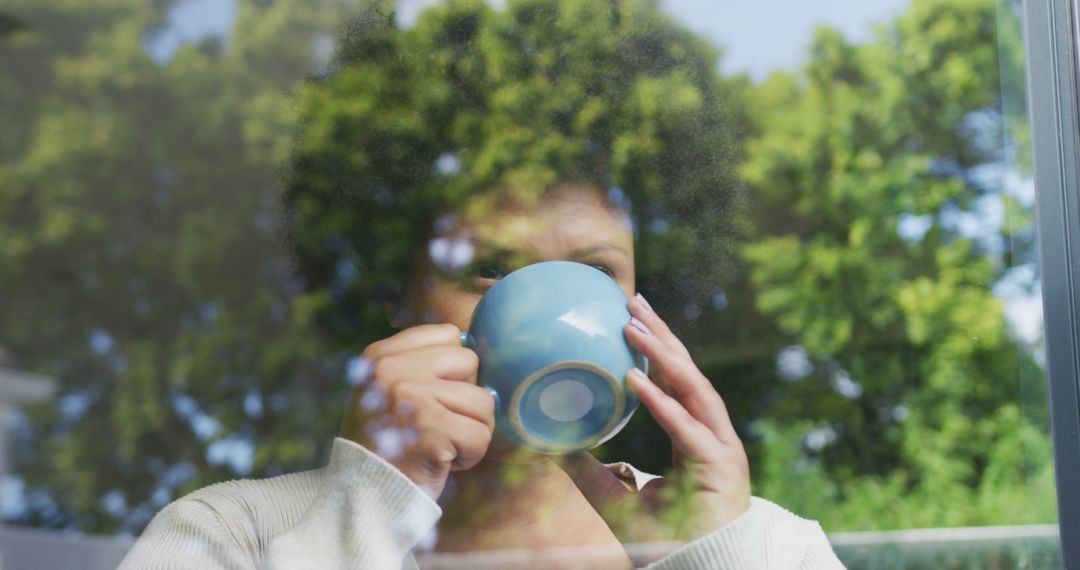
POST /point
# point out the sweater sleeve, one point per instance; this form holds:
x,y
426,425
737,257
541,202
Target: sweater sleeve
x,y
765,537
368,514
364,514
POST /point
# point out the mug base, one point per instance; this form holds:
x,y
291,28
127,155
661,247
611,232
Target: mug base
x,y
567,406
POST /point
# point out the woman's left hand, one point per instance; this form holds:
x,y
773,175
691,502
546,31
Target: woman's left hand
x,y
710,485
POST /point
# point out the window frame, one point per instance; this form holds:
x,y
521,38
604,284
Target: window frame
x,y
1053,66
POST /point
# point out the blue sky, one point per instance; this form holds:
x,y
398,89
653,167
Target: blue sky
x,y
760,36
191,21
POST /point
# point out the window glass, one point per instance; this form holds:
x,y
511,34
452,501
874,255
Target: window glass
x,y
214,213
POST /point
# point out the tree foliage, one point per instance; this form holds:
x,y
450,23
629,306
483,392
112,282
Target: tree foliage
x,y
915,375
142,262
474,104
140,258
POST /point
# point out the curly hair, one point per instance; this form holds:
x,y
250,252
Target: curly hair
x,y
472,101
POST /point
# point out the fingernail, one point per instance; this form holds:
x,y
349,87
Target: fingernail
x,y
634,322
641,299
637,376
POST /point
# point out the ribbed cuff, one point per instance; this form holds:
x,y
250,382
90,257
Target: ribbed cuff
x,y
739,545
766,536
367,481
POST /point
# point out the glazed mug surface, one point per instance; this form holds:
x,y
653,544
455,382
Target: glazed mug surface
x,y
553,352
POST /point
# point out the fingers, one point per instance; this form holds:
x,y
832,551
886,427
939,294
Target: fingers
x,y
445,410
688,434
470,440
441,374
414,337
640,309
688,385
417,405
446,362
465,399
429,428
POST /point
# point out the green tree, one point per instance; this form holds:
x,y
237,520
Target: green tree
x,y
140,254
475,104
913,383
141,262
140,258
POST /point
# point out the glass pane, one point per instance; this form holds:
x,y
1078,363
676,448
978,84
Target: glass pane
x,y
227,228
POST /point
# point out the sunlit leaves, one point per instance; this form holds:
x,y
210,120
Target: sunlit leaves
x,y
862,166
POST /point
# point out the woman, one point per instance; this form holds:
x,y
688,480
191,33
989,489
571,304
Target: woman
x,y
377,498
590,132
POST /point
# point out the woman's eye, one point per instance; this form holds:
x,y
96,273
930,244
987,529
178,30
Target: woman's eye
x,y
489,272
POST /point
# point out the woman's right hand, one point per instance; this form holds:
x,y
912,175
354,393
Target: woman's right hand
x,y
418,407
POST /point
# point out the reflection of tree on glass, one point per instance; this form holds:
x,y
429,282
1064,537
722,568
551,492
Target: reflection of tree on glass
x,y
434,161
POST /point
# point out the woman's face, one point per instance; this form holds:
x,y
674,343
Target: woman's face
x,y
469,254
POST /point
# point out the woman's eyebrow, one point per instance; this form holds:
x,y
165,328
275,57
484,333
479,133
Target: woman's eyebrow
x,y
598,247
490,247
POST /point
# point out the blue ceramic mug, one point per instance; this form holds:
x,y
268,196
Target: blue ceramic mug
x,y
552,351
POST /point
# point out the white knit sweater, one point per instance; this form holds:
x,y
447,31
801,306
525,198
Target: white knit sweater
x,y
361,512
